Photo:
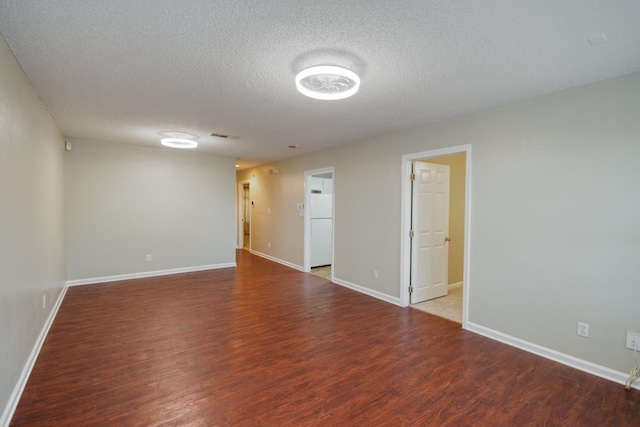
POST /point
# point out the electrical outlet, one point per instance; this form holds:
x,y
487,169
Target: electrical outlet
x,y
149,257
633,340
583,329
269,245
375,274
44,301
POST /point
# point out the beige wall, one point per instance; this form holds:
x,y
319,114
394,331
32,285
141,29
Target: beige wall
x,y
280,193
32,248
124,202
554,214
456,213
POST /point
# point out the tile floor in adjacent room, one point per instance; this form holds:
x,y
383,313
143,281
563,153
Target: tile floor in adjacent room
x,y
448,306
324,272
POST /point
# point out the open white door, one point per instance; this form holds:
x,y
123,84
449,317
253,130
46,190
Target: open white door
x,y
430,225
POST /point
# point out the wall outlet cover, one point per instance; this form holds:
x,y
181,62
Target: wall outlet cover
x,y
633,340
583,329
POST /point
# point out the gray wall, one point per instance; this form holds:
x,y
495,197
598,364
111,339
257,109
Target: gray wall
x,y
554,214
124,202
32,249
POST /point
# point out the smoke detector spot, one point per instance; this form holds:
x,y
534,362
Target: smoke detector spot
x,y
598,39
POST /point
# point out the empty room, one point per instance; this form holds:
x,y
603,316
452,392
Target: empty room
x,y
176,175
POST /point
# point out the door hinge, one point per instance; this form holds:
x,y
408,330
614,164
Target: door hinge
x,y
411,234
412,177
410,289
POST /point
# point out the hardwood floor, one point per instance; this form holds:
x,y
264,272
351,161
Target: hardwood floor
x,y
267,345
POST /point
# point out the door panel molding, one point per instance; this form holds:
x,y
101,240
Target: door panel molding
x,y
430,225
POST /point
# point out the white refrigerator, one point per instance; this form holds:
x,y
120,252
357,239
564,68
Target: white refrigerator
x,y
321,229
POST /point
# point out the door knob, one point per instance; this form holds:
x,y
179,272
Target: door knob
x,y
447,239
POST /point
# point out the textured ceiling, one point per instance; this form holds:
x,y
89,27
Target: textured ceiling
x,y
125,71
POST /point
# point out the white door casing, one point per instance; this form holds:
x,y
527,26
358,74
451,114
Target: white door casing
x,y
430,226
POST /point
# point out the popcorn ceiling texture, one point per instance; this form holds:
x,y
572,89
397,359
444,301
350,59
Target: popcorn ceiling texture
x,y
123,71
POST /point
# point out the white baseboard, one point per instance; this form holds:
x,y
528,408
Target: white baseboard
x,y
565,359
366,291
118,277
278,260
361,289
12,404
454,285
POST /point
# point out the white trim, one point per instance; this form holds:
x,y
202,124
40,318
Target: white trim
x,y
307,216
451,286
279,261
12,404
119,277
366,291
556,356
405,229
405,223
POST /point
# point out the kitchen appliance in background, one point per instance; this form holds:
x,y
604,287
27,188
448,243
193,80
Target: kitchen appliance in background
x,y
321,229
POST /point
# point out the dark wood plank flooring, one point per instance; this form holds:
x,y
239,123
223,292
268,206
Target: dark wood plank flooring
x,y
267,345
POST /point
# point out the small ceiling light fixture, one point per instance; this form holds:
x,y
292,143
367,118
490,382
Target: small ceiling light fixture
x,y
177,134
327,82
178,143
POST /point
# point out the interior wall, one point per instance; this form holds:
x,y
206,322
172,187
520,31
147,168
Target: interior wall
x,y
457,164
554,235
32,243
125,202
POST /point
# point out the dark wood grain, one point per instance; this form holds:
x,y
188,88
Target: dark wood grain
x,y
267,345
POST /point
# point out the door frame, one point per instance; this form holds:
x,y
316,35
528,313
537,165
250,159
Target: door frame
x,y
239,211
405,222
307,217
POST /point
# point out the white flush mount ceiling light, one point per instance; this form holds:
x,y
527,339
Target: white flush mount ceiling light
x,y
177,134
327,82
178,143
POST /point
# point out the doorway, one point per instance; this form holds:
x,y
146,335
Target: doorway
x,y
319,216
435,260
244,215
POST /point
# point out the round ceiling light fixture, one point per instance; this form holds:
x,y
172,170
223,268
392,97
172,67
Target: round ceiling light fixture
x,y
177,134
178,143
327,82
